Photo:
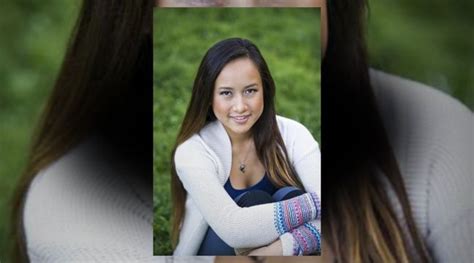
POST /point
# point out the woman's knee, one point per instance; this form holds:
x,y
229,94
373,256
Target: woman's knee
x,y
287,192
254,197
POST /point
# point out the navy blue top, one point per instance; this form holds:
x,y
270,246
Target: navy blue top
x,y
264,184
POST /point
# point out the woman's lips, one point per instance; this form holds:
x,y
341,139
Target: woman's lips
x,y
240,119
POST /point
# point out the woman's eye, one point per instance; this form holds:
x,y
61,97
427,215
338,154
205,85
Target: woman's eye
x,y
225,93
250,91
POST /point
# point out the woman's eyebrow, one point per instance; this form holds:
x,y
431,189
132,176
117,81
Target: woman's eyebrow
x,y
231,88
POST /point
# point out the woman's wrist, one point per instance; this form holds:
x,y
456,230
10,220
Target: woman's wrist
x,y
274,249
287,243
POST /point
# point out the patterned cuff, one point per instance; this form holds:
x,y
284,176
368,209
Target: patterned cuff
x,y
307,240
296,211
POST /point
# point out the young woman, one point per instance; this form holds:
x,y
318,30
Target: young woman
x,y
396,158
86,192
398,174
231,151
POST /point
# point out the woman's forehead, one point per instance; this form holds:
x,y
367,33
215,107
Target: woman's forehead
x,y
239,71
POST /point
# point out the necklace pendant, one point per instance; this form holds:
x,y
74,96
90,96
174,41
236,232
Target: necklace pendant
x,y
242,168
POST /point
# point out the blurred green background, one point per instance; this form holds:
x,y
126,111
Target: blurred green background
x,y
288,40
426,40
430,41
33,37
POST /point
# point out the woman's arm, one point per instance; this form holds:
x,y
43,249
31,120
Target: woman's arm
x,y
304,240
238,227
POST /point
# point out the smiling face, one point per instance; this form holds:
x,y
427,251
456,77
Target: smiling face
x,y
238,97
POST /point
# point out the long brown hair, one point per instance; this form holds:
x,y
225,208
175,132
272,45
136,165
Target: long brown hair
x,y
360,224
269,144
103,82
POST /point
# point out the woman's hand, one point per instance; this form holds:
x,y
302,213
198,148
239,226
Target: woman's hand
x,y
274,249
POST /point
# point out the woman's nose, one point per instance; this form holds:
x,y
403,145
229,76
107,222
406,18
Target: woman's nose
x,y
240,104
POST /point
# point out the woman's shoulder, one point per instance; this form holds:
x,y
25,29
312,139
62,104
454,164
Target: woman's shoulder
x,y
80,207
395,91
192,151
299,141
295,133
210,147
431,136
64,177
425,126
192,145
290,125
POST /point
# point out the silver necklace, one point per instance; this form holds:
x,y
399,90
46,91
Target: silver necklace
x,y
242,163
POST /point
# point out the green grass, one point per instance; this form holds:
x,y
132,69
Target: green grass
x,y
287,38
32,44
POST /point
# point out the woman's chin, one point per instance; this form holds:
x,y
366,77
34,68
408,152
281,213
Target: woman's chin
x,y
241,131
238,130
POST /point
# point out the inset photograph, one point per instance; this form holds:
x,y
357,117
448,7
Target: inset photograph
x,y
236,113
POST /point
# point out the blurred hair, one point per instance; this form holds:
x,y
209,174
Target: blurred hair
x,y
358,162
269,144
102,88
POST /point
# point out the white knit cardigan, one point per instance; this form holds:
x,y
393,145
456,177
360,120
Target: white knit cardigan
x,y
90,206
203,164
432,136
87,207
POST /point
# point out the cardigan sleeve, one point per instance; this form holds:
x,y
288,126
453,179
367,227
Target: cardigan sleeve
x,y
303,240
239,227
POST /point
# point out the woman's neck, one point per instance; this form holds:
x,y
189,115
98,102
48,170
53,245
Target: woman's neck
x,y
239,140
